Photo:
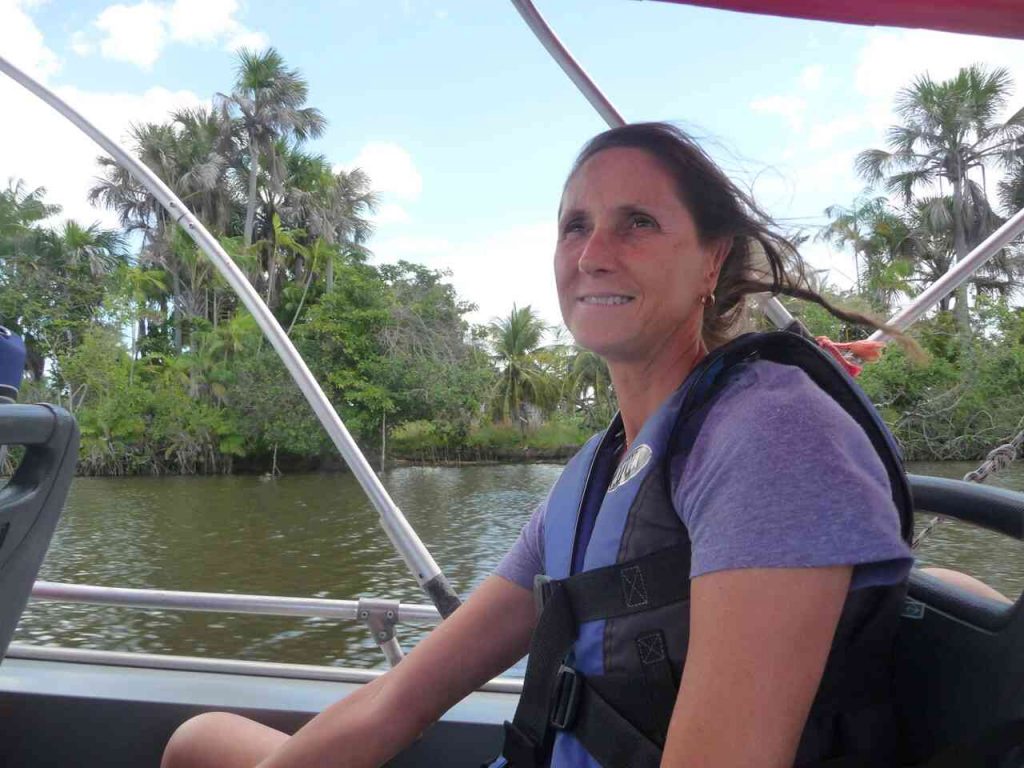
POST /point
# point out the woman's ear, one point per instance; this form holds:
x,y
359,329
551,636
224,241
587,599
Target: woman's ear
x,y
718,252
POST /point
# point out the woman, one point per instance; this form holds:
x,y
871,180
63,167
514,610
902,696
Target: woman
x,y
655,253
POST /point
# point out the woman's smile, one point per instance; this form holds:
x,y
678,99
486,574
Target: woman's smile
x,y
605,300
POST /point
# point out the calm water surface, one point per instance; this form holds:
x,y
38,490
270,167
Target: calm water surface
x,y
316,536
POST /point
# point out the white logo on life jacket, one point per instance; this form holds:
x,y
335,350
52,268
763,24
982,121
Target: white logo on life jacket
x,y
630,467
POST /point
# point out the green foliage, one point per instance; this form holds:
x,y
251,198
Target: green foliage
x,y
938,413
525,372
557,438
270,411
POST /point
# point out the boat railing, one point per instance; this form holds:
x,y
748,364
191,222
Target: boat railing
x,y
381,616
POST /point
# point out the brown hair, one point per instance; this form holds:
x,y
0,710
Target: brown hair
x,y
760,260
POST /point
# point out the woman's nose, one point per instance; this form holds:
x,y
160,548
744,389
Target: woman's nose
x,y
598,254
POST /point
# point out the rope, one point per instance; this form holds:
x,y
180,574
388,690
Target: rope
x,y
998,459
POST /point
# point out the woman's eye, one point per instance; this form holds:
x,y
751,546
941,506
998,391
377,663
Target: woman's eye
x,y
572,226
640,221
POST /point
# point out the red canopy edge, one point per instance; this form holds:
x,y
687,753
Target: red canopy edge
x,y
998,18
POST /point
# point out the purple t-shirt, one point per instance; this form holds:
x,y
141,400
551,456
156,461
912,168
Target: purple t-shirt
x,y
780,476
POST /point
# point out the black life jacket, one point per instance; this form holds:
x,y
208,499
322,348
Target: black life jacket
x,y
608,652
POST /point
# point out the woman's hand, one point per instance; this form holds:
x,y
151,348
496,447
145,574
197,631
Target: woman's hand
x,y
759,639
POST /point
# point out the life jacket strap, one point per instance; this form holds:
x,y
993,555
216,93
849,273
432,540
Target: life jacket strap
x,y
608,736
660,681
528,738
637,585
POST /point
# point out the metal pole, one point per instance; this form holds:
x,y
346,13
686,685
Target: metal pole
x,y
950,281
263,605
772,307
427,573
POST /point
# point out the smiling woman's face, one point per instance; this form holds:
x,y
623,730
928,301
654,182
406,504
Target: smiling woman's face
x,y
629,265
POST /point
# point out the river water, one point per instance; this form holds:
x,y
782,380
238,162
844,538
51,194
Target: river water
x,y
316,536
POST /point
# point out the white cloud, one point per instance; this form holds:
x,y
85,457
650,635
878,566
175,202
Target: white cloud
x,y
81,44
245,38
390,168
492,272
790,107
892,59
834,266
824,135
139,33
132,33
201,21
22,43
390,213
45,150
811,77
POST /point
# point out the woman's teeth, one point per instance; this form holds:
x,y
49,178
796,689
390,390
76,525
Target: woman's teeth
x,y
606,299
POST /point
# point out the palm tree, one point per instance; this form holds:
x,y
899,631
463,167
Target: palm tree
x,y
522,377
590,385
1011,189
269,100
883,247
205,148
853,227
950,129
326,204
192,154
20,209
101,251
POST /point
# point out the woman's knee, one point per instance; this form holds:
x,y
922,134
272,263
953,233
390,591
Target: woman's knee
x,y
966,583
220,739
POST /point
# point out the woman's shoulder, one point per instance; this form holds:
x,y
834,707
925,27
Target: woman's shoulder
x,y
779,475
777,400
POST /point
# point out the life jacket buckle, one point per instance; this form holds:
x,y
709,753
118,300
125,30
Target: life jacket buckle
x,y
542,588
568,688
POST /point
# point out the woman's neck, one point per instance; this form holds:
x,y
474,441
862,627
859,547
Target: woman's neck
x,y
642,386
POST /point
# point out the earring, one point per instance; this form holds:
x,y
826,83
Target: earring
x,y
708,300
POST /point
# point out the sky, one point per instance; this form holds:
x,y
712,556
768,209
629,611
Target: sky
x,y
465,125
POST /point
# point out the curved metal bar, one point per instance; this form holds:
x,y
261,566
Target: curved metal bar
x,y
952,280
264,605
569,65
771,306
426,571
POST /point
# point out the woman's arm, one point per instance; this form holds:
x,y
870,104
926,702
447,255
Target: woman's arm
x,y
481,639
759,639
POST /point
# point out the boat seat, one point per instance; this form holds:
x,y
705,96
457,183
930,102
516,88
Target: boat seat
x,y
32,500
959,656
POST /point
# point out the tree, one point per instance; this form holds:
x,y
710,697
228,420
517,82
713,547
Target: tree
x,y
589,385
269,99
950,129
53,280
192,154
327,204
852,227
522,378
433,368
1011,189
